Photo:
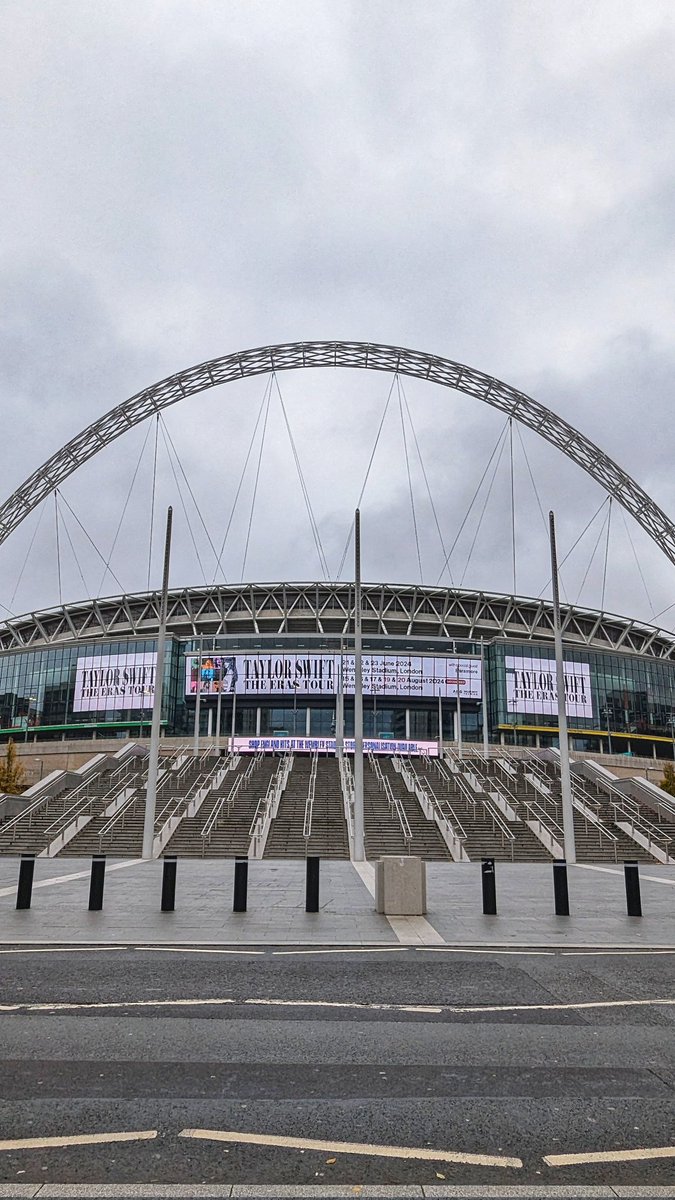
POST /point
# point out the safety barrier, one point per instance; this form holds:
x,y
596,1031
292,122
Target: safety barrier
x,y
561,899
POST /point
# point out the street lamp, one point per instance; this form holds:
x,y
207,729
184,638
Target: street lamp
x,y
31,700
670,721
606,712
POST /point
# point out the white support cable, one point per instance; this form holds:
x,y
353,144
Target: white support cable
x,y
592,559
410,486
485,504
539,503
604,569
380,427
637,564
25,561
263,402
255,486
167,436
425,477
124,509
574,545
91,541
74,553
472,502
183,504
513,508
323,562
58,547
152,501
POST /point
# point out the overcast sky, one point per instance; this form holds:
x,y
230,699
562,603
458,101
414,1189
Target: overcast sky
x,y
487,180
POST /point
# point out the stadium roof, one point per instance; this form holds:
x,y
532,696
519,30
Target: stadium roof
x,y
325,609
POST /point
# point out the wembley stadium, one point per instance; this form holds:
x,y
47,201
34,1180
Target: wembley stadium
x,y
274,654
257,712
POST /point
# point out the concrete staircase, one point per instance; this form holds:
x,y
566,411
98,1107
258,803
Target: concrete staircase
x,y
328,836
489,833
122,833
33,832
230,836
383,832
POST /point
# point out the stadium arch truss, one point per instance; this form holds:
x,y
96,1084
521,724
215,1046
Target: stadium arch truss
x,y
325,609
356,355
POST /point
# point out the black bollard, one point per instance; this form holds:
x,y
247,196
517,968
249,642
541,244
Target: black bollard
x,y
562,898
632,876
96,884
24,890
312,884
240,884
489,882
169,883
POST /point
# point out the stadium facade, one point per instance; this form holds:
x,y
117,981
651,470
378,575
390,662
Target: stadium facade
x,y
280,655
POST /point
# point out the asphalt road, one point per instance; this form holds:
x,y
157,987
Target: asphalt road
x,y
498,1055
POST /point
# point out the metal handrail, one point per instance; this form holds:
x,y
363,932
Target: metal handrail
x,y
217,809
119,815
309,803
640,824
395,804
543,818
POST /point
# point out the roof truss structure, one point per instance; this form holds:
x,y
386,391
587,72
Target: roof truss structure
x,y
326,610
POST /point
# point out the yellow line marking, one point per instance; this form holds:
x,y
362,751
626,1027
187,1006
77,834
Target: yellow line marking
x,y
78,1139
609,1156
292,1143
362,1006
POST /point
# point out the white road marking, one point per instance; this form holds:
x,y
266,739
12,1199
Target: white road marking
x,y
609,1156
361,1006
68,1006
613,871
366,873
348,950
473,950
78,1139
62,949
363,1148
43,883
416,931
197,950
613,953
410,930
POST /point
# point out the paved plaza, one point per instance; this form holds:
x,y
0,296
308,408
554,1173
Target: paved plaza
x,y
276,906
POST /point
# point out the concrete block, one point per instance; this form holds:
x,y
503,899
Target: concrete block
x,y
401,886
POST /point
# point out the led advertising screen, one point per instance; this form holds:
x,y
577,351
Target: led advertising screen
x,y
114,681
319,675
531,687
327,745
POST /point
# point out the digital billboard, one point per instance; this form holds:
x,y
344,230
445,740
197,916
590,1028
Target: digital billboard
x,y
531,687
319,675
114,681
328,745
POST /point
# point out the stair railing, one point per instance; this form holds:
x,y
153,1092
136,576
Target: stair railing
x,y
309,802
214,816
347,786
118,817
267,808
396,807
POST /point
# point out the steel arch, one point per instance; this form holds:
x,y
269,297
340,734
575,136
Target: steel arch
x,y
359,355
